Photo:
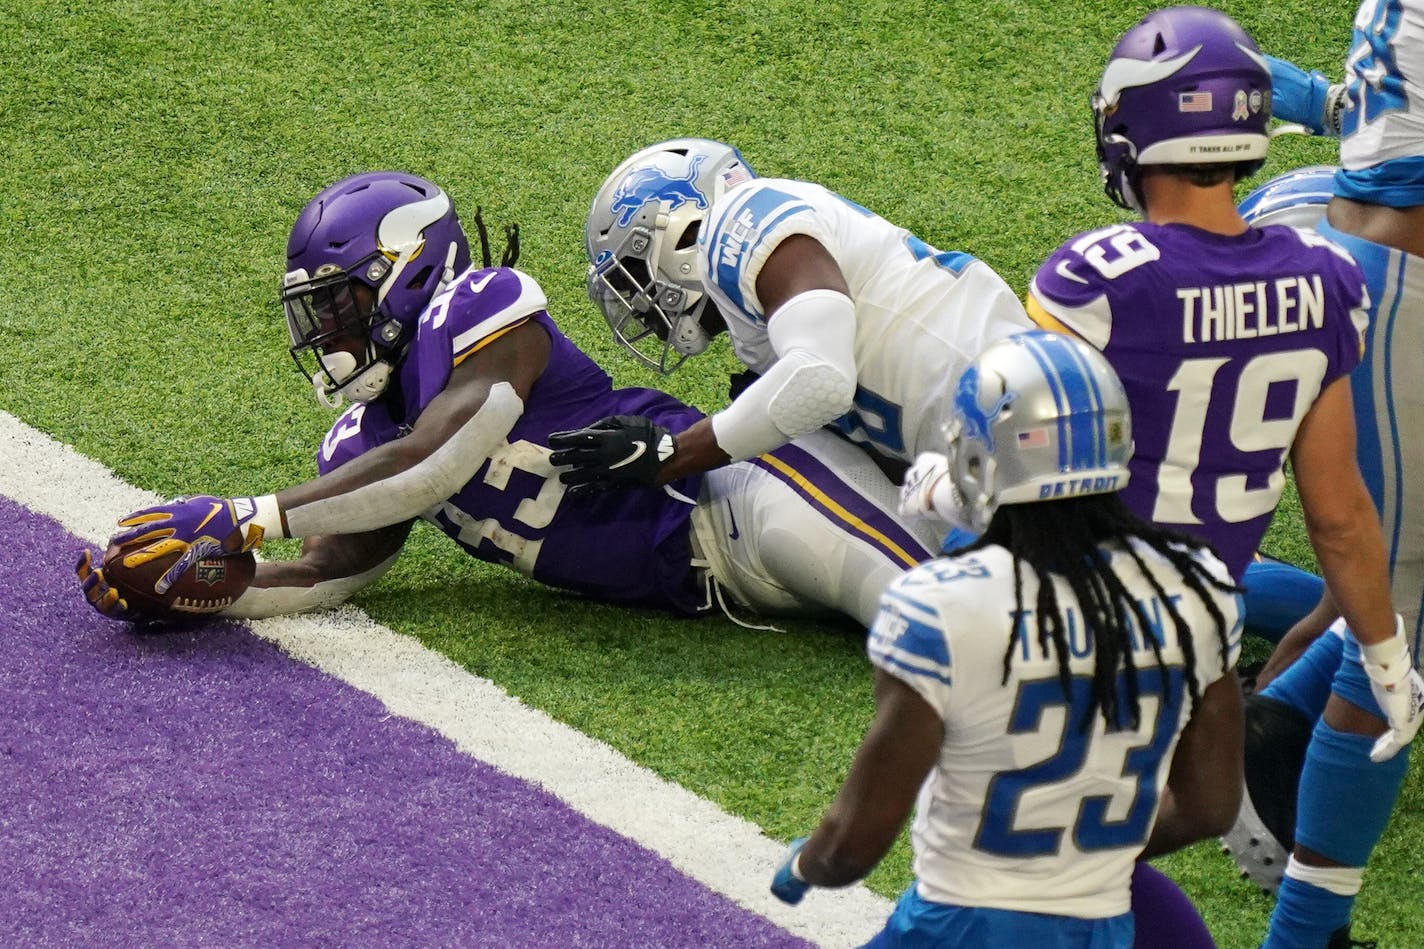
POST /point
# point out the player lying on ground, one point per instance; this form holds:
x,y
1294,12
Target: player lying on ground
x,y
458,375
847,319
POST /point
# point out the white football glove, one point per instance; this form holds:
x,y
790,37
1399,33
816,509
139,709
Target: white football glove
x,y
1399,690
928,490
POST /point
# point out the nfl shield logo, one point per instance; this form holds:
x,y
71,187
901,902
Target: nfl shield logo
x,y
210,571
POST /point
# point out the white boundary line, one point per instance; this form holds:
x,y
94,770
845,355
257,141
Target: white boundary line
x,y
725,853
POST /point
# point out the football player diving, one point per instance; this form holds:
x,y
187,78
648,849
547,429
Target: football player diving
x,y
457,375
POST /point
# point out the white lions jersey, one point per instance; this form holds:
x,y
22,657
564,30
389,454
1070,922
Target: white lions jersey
x,y
921,314
1384,76
1024,810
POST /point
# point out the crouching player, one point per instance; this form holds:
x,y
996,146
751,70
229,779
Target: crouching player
x,y
1055,700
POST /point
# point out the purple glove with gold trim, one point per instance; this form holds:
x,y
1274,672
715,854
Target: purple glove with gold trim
x,y
202,526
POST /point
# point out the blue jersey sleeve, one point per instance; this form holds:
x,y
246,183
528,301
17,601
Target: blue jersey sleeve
x,y
742,231
908,638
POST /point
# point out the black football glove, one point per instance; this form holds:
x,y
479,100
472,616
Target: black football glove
x,y
618,451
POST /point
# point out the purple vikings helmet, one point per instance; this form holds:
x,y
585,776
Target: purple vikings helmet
x,y
1297,198
641,237
1185,86
364,259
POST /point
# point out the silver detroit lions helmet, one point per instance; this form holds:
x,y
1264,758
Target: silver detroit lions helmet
x,y
641,237
1036,417
1297,198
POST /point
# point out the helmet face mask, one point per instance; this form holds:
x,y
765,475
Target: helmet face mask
x,y
641,236
657,321
364,259
331,319
1185,86
1036,417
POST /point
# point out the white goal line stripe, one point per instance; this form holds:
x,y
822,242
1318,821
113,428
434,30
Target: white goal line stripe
x,y
725,853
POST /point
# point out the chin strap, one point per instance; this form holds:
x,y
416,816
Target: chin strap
x,y
366,385
331,398
448,273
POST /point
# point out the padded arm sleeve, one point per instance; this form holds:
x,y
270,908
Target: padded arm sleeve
x,y
262,602
414,491
811,383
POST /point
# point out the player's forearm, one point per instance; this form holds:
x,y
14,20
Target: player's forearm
x,y
811,384
839,853
1356,570
398,481
798,394
295,591
697,451
329,571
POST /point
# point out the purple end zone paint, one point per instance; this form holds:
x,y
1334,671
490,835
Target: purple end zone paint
x,y
200,788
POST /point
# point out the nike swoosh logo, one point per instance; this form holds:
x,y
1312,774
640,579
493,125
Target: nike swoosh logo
x,y
480,284
734,534
633,456
211,514
1063,270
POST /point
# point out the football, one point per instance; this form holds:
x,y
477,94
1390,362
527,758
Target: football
x,y
209,586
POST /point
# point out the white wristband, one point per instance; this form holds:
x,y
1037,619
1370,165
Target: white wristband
x,y
268,516
1389,661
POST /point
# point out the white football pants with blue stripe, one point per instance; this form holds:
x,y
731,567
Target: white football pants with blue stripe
x,y
1388,389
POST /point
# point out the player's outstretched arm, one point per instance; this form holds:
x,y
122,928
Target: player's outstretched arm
x,y
390,484
330,570
1204,784
453,436
1308,98
901,745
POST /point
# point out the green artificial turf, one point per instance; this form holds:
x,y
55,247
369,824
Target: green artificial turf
x,y
154,156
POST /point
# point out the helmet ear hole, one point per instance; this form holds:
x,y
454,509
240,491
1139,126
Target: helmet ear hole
x,y
689,236
418,281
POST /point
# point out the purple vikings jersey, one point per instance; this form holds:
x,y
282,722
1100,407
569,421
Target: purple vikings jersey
x,y
625,546
1223,344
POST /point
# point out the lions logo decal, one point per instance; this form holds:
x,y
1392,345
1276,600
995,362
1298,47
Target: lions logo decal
x,y
650,184
977,422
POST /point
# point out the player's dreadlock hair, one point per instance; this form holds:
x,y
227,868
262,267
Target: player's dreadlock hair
x,y
1066,538
510,256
